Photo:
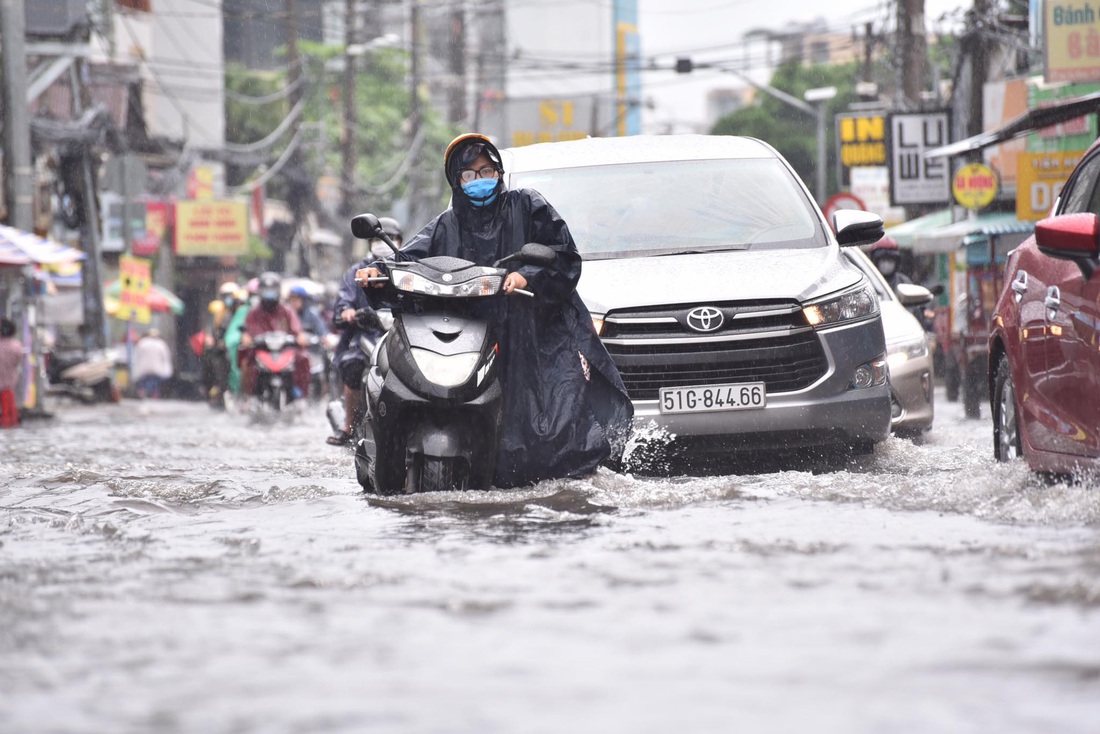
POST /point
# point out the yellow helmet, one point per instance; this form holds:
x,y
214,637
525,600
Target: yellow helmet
x,y
217,308
457,151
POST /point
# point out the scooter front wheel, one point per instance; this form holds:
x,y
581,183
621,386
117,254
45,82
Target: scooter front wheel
x,y
441,474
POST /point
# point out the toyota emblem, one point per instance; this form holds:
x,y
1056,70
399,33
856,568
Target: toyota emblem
x,y
705,318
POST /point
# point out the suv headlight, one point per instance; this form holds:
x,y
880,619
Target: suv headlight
x,y
901,352
851,306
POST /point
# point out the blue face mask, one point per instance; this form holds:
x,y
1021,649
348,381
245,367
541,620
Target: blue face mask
x,y
481,191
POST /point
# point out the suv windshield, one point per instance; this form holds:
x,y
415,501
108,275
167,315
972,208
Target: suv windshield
x,y
670,207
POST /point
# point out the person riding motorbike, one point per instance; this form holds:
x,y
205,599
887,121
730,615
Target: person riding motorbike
x,y
351,301
215,362
271,315
565,409
886,255
302,303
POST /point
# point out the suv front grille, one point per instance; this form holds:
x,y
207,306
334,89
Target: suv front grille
x,y
766,342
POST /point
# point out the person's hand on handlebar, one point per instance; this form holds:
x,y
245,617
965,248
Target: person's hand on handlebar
x,y
513,281
347,315
362,274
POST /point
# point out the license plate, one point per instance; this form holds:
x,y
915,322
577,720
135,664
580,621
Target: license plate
x,y
702,399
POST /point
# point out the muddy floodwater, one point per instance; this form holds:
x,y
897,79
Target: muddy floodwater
x,y
167,569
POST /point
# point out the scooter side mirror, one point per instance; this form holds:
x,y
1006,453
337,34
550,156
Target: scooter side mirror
x,y
367,227
535,254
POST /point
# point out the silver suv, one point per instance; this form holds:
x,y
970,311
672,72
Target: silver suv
x,y
720,291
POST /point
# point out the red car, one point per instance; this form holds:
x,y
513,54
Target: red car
x,y
1044,344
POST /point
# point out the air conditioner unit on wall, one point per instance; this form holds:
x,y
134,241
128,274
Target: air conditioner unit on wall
x,y
54,18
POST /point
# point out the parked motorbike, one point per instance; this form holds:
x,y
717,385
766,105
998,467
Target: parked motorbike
x,y
431,393
82,375
274,352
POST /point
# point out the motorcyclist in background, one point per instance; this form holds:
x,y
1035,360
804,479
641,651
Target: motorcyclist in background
x,y
302,303
886,255
215,361
271,315
349,359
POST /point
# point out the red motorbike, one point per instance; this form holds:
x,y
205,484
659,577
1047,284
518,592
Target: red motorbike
x,y
275,353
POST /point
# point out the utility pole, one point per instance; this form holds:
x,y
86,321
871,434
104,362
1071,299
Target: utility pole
x,y
91,281
979,64
18,174
351,121
295,170
456,108
912,52
415,183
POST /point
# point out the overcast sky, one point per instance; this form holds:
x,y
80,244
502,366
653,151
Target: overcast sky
x,y
712,29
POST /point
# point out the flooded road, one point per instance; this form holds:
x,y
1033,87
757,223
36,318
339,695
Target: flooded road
x,y
167,569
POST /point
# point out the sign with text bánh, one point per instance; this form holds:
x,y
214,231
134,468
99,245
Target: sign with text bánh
x,y
211,228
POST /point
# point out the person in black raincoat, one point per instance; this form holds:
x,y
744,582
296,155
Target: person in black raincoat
x,y
565,409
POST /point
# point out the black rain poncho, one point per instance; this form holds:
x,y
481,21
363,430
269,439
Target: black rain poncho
x,y
565,409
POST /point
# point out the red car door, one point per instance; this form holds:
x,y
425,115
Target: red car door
x,y
1035,386
1073,303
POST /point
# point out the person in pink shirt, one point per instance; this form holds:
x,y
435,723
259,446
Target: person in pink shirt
x,y
11,358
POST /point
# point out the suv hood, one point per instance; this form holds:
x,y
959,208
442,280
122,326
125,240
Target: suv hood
x,y
799,275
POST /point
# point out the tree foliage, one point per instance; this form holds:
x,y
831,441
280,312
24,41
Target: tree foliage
x,y
790,130
383,106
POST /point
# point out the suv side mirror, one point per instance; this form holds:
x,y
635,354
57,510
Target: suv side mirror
x,y
911,294
855,227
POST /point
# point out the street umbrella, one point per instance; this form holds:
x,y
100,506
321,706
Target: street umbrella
x,y
159,299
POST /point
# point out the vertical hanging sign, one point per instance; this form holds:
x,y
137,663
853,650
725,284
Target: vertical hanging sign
x,y
136,276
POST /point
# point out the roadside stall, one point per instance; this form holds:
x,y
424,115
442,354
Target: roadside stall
x,y
21,253
970,256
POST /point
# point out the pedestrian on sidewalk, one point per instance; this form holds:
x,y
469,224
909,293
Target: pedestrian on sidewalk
x,y
152,364
11,358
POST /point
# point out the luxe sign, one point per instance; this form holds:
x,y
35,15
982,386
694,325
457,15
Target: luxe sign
x,y
915,179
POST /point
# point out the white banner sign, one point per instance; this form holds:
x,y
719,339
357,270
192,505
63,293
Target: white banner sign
x,y
913,178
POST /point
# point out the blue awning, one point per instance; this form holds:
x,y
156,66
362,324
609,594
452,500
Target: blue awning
x,y
904,233
24,248
951,237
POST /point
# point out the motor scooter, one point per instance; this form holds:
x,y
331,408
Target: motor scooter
x,y
83,375
431,393
274,352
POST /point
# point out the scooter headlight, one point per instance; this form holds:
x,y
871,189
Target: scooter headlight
x,y
450,371
482,285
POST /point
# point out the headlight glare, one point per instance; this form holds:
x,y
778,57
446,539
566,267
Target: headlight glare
x,y
901,352
857,304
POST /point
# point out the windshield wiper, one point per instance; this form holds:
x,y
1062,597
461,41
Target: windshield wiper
x,y
707,251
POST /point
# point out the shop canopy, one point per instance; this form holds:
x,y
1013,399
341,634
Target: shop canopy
x,y
905,232
950,237
24,248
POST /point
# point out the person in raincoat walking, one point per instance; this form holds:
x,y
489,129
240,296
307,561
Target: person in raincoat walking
x,y
565,409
